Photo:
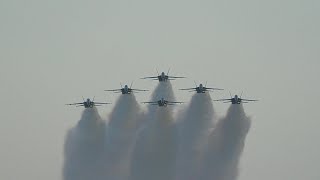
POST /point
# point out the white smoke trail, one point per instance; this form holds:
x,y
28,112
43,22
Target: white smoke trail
x,y
155,152
122,150
84,148
121,133
163,90
155,149
194,126
226,144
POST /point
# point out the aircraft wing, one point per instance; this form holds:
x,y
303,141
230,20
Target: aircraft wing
x,y
188,89
214,89
223,100
75,103
151,102
174,77
249,100
113,90
150,77
100,103
170,104
139,90
174,102
227,101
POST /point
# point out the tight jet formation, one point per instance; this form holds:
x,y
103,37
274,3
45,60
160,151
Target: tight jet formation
x,y
88,103
162,102
162,78
236,100
126,90
201,89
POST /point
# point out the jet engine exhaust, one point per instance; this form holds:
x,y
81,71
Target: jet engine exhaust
x,y
120,136
155,149
226,144
194,126
157,144
84,148
163,90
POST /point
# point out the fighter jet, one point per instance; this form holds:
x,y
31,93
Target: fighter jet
x,y
162,102
163,77
236,100
126,90
88,103
201,88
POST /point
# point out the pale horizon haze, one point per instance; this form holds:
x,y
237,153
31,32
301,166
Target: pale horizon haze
x,y
54,52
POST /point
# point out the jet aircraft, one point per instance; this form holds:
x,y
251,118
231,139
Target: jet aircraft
x,y
201,89
162,102
88,103
236,100
163,77
125,90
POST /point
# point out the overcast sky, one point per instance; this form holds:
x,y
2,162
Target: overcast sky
x,y
54,52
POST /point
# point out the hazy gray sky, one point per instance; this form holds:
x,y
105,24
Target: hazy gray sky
x,y
54,52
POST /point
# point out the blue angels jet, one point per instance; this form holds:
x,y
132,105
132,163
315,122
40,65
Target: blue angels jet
x,y
236,100
201,89
126,90
88,103
162,102
163,77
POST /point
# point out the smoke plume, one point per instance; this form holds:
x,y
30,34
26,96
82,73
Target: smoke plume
x,y
154,155
120,136
194,127
155,145
226,144
163,90
155,149
84,148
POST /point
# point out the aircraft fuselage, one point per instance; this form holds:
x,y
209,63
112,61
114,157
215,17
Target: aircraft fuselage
x,y
88,104
236,100
200,90
126,90
162,103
